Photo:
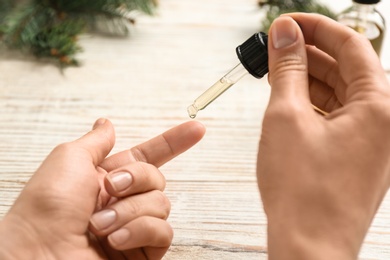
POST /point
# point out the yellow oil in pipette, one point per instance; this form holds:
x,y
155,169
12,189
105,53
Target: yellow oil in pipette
x,y
216,90
253,56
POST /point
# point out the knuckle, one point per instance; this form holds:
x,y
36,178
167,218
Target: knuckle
x,y
163,203
291,119
68,150
148,173
141,171
132,207
357,39
381,111
147,168
137,154
331,77
64,149
283,112
161,183
289,62
169,234
162,232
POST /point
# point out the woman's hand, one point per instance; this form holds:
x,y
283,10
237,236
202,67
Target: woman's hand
x,y
71,193
322,178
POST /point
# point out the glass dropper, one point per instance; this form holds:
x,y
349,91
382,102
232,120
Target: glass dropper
x,y
253,56
217,89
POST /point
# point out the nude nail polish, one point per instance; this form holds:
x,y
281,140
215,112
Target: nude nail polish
x,y
103,219
120,181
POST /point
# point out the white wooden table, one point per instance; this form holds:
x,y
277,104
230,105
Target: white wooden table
x,y
144,84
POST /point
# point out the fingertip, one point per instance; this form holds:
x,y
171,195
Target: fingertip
x,y
288,67
98,123
197,128
100,140
184,136
105,125
284,32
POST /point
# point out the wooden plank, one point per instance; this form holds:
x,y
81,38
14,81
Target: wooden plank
x,y
144,84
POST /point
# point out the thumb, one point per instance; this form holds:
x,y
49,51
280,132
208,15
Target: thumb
x,y
77,161
99,141
67,180
288,73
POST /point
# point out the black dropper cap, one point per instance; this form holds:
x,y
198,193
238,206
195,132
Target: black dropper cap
x,y
253,54
367,2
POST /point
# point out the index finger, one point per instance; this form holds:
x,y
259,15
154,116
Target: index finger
x,y
159,149
353,52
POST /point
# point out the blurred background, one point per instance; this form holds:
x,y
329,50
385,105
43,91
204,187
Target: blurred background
x,y
143,78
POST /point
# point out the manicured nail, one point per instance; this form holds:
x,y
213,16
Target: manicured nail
x,y
284,32
120,180
119,237
99,122
103,219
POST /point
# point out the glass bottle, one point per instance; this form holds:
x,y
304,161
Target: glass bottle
x,y
364,18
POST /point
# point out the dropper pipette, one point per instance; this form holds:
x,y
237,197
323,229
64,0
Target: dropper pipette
x,y
253,56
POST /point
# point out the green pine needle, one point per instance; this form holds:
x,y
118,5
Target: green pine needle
x,y
49,28
274,8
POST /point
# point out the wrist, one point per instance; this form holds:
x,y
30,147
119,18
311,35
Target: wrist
x,y
286,241
19,240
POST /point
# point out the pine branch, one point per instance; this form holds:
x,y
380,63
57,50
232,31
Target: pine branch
x,y
274,8
5,7
59,41
49,28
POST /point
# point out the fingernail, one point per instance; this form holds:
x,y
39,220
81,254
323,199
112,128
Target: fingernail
x,y
99,122
284,32
103,219
119,237
120,180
